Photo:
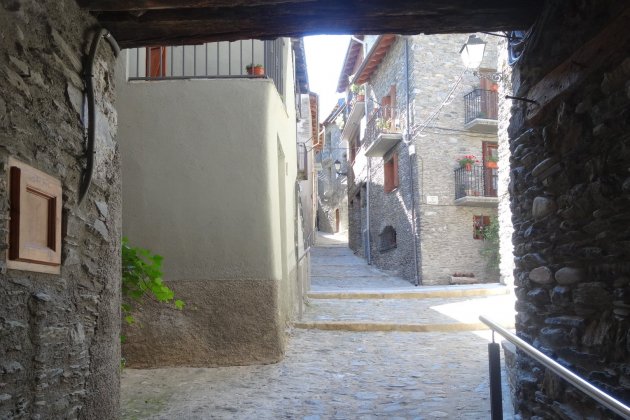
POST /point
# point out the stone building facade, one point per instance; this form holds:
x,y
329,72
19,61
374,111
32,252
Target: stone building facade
x,y
569,198
59,333
422,80
332,190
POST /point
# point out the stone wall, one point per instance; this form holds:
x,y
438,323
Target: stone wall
x,y
446,234
569,188
504,213
443,230
392,208
332,190
59,334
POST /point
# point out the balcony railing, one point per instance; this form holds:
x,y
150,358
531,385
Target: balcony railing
x,y
383,120
475,181
481,104
208,61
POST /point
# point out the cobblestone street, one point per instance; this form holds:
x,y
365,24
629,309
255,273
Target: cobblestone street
x,y
341,373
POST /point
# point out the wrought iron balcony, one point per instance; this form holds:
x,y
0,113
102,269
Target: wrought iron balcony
x,y
382,132
481,108
476,185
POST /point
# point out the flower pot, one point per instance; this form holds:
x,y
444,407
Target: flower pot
x,y
360,97
492,165
256,71
468,167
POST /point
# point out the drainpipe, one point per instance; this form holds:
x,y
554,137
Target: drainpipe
x,y
412,154
367,210
369,165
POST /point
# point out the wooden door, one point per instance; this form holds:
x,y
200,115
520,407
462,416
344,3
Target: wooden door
x,y
337,221
490,157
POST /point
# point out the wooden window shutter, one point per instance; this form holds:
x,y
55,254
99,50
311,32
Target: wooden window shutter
x,y
156,62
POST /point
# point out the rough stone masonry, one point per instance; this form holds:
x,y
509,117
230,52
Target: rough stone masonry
x,y
569,190
59,351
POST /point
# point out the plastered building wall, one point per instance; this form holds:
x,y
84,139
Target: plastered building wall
x,y
210,172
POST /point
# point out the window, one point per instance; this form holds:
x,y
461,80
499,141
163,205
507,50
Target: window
x,y
390,169
387,239
479,225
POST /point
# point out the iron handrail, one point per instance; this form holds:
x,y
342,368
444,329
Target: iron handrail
x,y
575,380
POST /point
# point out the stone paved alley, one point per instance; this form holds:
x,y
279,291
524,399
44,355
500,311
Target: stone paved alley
x,y
362,350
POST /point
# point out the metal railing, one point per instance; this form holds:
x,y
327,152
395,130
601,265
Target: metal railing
x,y
475,181
211,60
383,120
495,374
481,103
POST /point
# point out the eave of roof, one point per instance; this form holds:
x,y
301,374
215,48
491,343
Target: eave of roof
x,y
374,58
314,108
349,62
335,111
301,70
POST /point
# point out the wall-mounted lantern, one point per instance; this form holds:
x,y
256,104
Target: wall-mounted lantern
x,y
472,56
472,52
338,168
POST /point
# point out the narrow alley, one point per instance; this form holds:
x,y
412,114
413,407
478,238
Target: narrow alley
x,y
369,345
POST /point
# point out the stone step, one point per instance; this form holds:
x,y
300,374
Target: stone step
x,y
408,313
382,326
421,292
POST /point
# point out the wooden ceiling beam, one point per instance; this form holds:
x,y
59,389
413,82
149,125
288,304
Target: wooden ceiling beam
x,y
145,5
152,22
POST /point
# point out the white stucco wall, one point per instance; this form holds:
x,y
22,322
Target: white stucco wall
x,y
200,183
209,169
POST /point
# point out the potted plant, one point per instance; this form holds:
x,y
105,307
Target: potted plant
x,y
467,162
384,124
491,162
358,91
255,69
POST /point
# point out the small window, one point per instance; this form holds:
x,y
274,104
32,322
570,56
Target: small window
x,y
387,239
390,169
480,223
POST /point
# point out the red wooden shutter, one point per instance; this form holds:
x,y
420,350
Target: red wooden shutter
x,y
156,62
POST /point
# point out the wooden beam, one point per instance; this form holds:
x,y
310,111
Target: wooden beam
x,y
609,46
145,5
130,33
151,22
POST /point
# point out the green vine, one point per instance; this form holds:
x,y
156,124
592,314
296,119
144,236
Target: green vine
x,y
490,249
141,279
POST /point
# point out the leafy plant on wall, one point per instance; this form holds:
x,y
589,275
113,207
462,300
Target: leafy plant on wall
x,y
142,279
490,249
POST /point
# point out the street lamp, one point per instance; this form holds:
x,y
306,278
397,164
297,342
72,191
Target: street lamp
x,y
338,168
472,55
472,52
